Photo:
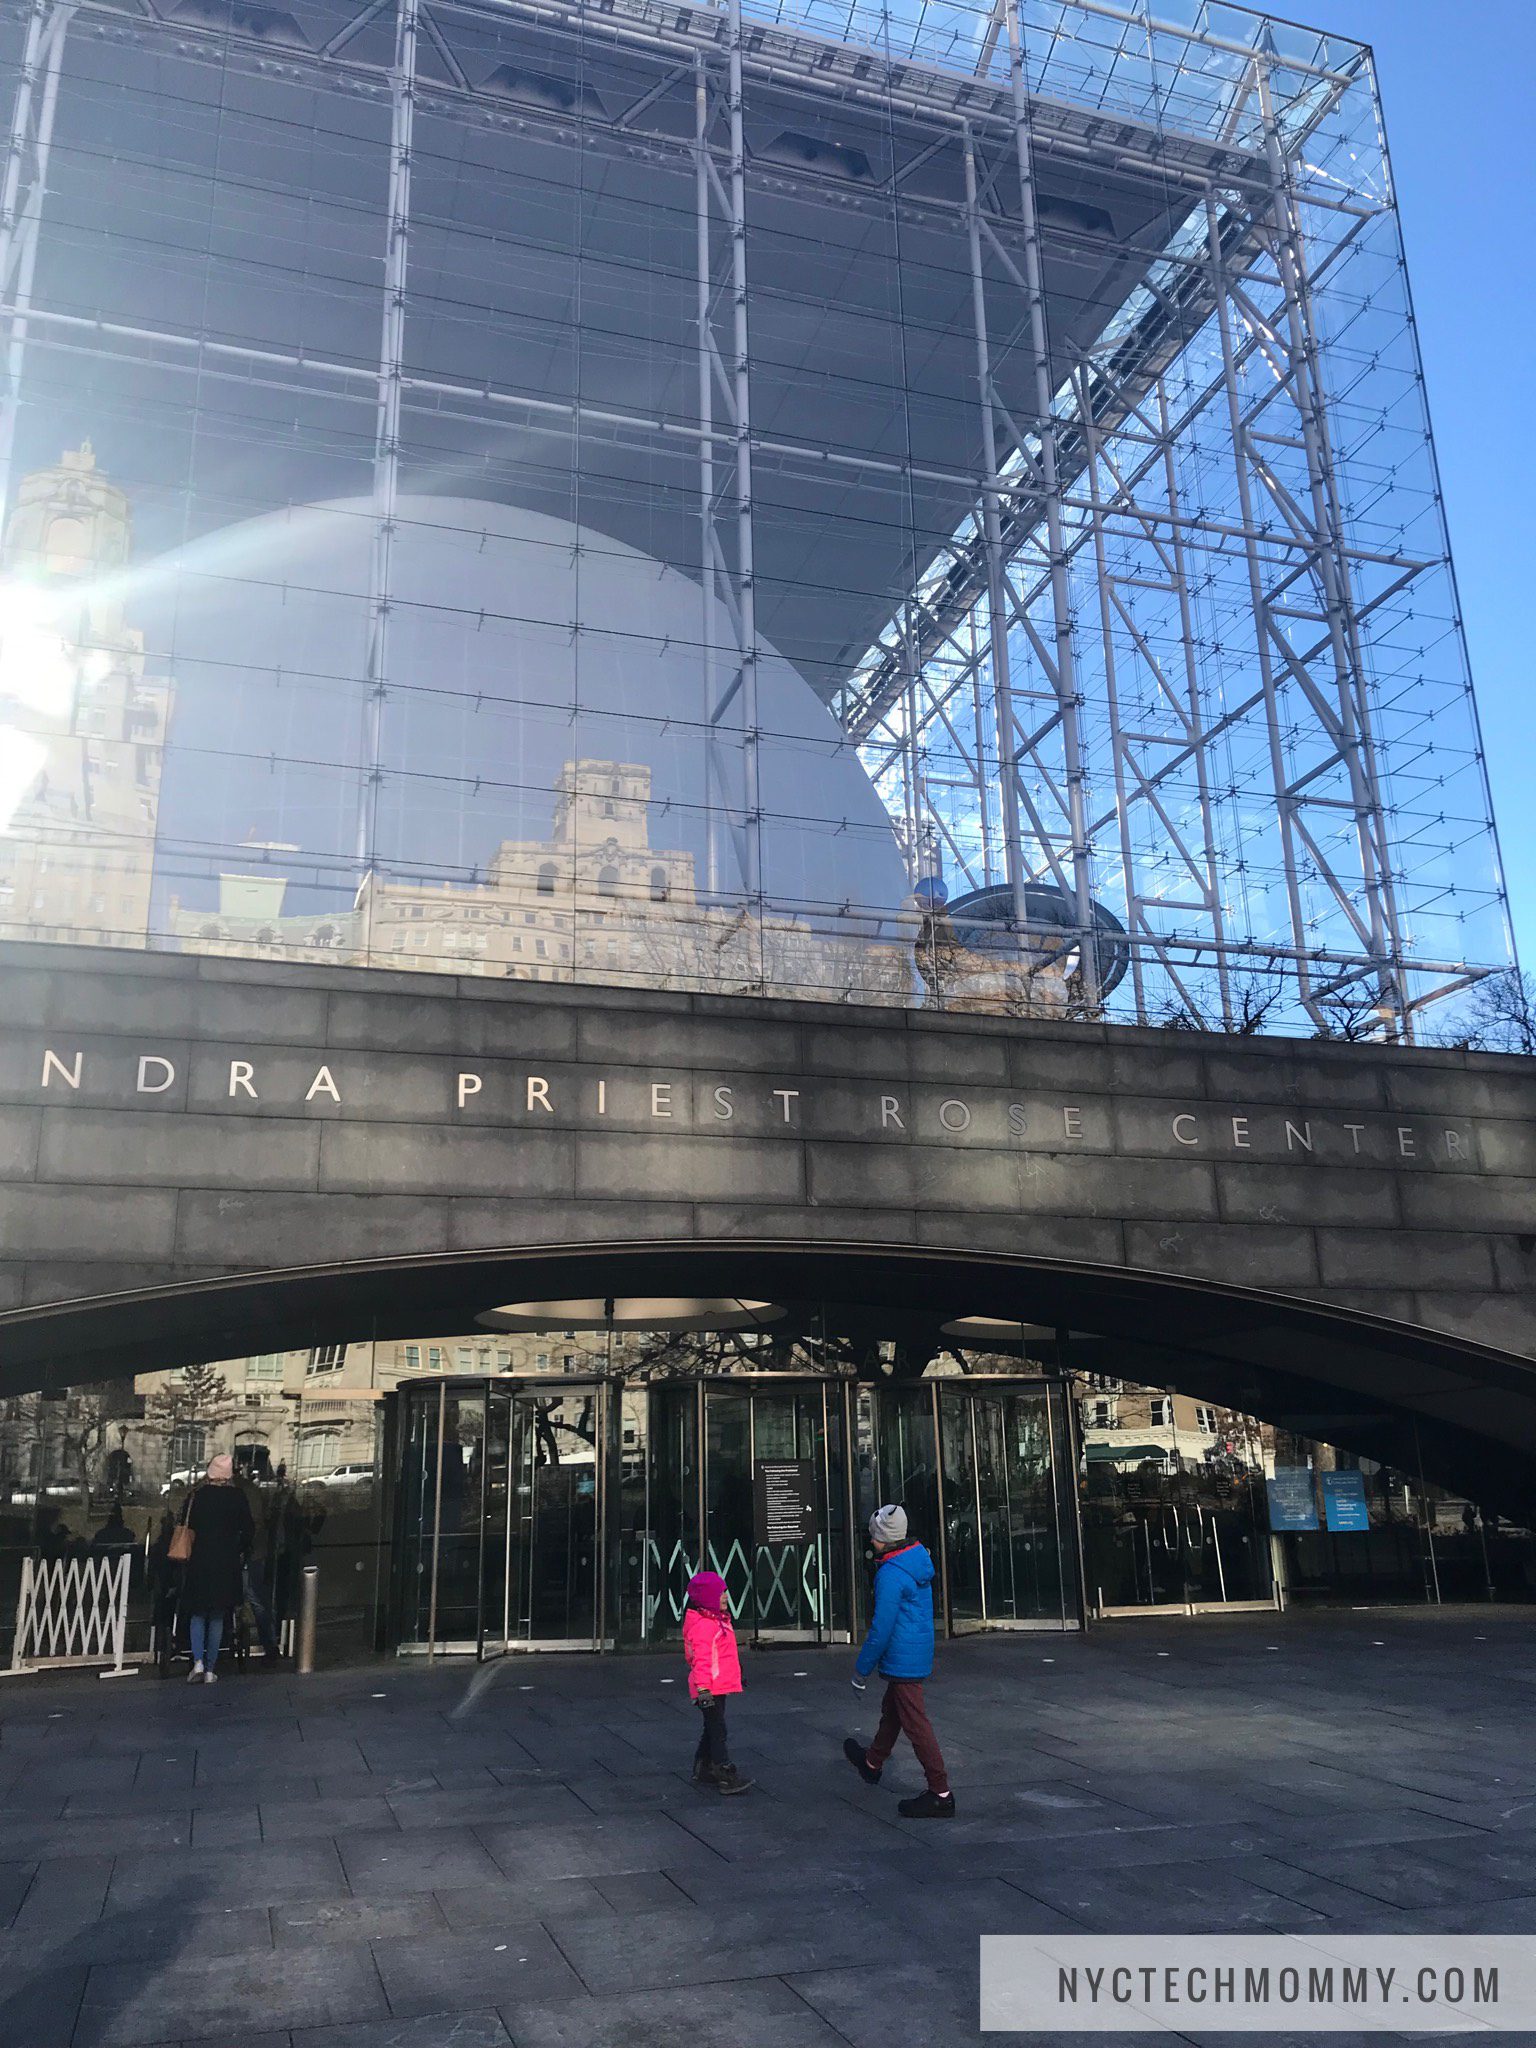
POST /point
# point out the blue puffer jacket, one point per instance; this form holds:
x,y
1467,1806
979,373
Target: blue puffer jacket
x,y
900,1639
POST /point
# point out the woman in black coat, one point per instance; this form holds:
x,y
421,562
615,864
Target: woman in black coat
x,y
219,1516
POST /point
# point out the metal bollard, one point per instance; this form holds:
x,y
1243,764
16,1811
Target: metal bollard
x,y
309,1614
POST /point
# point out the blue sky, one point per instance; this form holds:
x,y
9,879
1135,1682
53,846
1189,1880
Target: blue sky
x,y
1458,87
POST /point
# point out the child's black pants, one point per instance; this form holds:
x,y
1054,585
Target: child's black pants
x,y
711,1749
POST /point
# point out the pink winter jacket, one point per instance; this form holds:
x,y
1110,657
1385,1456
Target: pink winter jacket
x,y
709,1644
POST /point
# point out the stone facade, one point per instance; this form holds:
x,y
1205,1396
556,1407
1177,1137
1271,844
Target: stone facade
x,y
168,1121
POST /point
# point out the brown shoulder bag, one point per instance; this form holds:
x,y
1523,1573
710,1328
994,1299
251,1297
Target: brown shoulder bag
x,y
183,1536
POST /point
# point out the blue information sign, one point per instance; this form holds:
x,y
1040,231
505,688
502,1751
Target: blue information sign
x,y
1344,1502
1292,1502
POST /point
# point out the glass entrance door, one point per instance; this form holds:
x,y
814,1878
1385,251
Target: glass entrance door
x,y
985,1475
770,1520
1008,1528
500,1527
543,1590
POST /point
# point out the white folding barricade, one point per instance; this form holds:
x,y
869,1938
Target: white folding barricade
x,y
72,1611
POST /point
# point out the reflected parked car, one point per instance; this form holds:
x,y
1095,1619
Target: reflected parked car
x,y
346,1475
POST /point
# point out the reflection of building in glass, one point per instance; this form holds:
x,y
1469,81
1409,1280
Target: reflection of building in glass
x,y
1130,1426
594,901
84,730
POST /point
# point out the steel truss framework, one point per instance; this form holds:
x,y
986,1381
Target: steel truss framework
x,y
1154,664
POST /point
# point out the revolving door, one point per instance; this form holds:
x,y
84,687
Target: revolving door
x,y
500,1516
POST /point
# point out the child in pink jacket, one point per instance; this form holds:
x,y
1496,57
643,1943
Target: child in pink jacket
x,y
714,1671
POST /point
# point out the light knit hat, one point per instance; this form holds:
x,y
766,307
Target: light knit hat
x,y
888,1526
221,1467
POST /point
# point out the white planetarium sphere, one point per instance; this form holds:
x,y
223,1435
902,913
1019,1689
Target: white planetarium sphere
x,y
516,643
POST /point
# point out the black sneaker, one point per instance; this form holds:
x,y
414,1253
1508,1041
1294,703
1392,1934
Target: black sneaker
x,y
703,1773
860,1762
928,1806
729,1781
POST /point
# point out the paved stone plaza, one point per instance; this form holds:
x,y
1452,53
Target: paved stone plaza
x,y
376,1859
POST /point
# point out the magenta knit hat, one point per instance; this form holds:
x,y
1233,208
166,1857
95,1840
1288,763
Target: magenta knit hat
x,y
707,1590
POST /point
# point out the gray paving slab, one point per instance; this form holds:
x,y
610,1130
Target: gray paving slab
x,y
307,1923
436,1974
508,1905
764,2013
130,2005
430,2030
596,1848
874,2004
128,1937
263,1874
705,1944
287,1820
428,1859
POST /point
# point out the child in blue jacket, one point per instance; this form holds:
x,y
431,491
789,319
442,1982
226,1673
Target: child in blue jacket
x,y
900,1644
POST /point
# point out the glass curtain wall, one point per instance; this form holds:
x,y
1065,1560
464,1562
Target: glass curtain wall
x,y
1174,1509
728,498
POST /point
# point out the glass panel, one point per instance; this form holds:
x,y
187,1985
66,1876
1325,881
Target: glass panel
x,y
458,1557
1175,1508
1022,1552
417,1514
672,1537
789,1578
556,1443
496,1552
728,1495
630,1568
967,1598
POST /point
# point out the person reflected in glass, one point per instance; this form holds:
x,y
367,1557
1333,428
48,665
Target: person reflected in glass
x,y
219,1517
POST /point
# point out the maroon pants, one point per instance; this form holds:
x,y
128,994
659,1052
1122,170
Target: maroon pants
x,y
902,1712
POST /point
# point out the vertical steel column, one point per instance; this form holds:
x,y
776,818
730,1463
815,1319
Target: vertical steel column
x,y
1357,749
746,594
1258,602
1194,697
1065,677
708,544
21,219
997,598
386,444
1117,744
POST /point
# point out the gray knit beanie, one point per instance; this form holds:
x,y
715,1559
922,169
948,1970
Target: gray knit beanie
x,y
888,1526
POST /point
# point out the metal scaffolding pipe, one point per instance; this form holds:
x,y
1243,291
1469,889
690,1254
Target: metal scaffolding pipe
x,y
386,447
746,600
1064,669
